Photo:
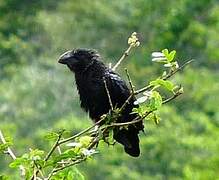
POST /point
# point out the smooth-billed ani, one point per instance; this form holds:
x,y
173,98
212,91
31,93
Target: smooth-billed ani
x,y
90,74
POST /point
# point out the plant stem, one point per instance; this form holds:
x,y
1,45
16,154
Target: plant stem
x,y
125,54
81,133
108,94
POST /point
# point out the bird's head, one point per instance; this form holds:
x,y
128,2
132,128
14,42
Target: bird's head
x,y
78,59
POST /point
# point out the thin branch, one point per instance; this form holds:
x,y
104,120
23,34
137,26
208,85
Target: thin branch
x,y
59,149
126,102
178,69
94,142
171,98
35,172
71,164
150,86
55,170
60,152
108,94
41,173
143,89
125,54
10,153
164,78
81,133
130,81
138,119
58,142
50,175
53,147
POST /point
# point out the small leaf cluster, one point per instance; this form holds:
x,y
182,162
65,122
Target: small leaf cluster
x,y
30,161
152,100
166,57
51,165
4,146
133,40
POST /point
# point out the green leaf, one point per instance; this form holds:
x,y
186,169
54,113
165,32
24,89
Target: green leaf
x,y
75,174
36,154
69,174
154,83
109,139
171,56
3,147
156,118
51,136
70,153
3,177
142,109
17,162
165,83
181,91
155,101
165,52
85,140
111,135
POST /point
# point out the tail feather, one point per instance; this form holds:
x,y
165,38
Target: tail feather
x,y
129,139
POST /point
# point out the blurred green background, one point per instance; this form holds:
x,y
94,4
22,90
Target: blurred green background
x,y
38,95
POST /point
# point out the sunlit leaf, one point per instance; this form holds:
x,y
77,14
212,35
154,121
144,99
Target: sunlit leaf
x,y
171,56
51,136
70,153
165,52
17,162
3,147
36,152
3,177
155,101
165,83
156,118
85,140
71,173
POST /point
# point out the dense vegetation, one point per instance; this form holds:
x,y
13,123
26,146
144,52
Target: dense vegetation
x,y
37,94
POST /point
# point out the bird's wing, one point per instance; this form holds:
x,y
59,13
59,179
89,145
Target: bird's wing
x,y
119,92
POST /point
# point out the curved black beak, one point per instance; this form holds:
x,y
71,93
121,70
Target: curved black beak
x,y
64,58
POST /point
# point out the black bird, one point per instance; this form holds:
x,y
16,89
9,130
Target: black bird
x,y
90,74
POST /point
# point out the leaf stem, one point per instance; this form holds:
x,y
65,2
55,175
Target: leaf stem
x,y
125,54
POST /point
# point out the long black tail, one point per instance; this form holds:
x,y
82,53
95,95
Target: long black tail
x,y
129,139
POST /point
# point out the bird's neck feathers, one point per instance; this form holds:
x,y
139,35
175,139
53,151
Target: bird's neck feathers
x,y
94,67
82,67
87,80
